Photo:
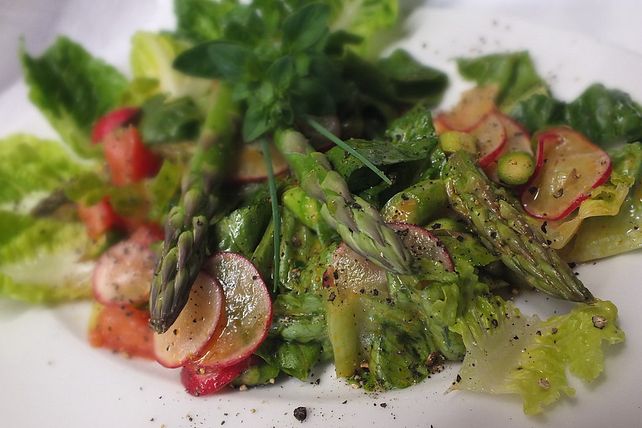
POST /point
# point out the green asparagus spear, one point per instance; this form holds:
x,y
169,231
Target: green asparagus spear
x,y
308,211
417,204
188,222
504,229
356,221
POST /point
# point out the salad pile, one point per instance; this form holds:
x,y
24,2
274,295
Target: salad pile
x,y
266,192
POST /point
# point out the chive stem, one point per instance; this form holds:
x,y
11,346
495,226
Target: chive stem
x,y
276,215
345,146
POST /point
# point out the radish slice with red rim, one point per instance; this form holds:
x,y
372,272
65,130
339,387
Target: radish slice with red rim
x,y
491,139
199,380
474,106
517,140
251,165
423,244
123,274
354,273
568,167
248,310
195,327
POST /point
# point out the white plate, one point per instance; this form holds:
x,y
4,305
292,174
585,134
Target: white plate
x,y
50,377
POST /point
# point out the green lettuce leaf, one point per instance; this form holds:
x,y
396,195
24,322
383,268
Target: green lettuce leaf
x,y
514,74
201,20
509,353
605,116
31,168
43,262
365,19
151,59
72,89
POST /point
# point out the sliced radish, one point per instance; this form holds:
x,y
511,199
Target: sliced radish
x,y
251,165
568,166
491,138
352,272
474,106
122,328
248,310
517,140
199,380
423,244
195,327
123,274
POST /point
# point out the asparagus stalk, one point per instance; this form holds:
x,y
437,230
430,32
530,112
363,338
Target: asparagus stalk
x,y
416,204
357,222
504,229
188,222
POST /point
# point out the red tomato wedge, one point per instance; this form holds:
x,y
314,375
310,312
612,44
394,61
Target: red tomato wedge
x,y
123,274
517,140
491,138
251,164
122,328
248,310
111,121
99,218
199,380
128,159
195,327
421,243
474,106
568,167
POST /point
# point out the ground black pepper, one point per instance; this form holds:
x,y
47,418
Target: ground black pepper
x,y
300,413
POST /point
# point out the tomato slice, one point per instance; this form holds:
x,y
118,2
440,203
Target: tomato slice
x,y
122,328
128,159
111,121
99,218
568,167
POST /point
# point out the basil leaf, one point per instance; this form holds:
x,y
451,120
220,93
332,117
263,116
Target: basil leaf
x,y
255,122
217,59
169,121
201,20
305,27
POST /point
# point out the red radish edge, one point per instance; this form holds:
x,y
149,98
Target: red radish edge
x,y
123,274
539,163
199,380
185,338
112,120
444,256
491,156
238,355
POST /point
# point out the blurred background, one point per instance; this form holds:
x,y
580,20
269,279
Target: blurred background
x,y
614,22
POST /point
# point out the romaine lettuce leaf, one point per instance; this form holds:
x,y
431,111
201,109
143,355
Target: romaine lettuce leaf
x,y
43,262
72,89
605,200
151,59
513,73
365,19
201,20
600,237
509,353
605,116
31,168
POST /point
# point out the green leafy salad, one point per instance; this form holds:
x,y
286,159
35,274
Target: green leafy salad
x,y
265,192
